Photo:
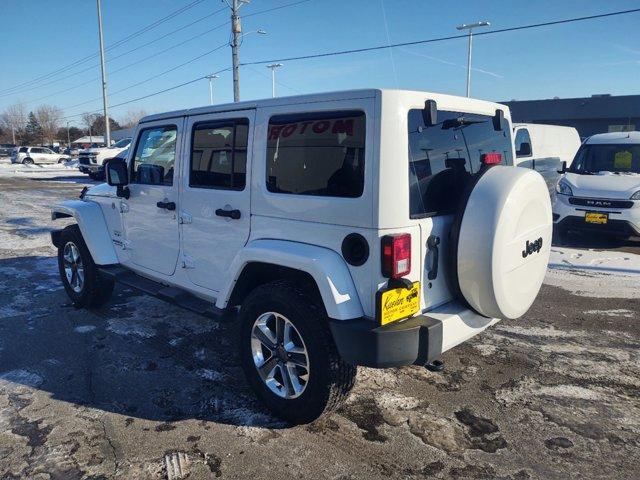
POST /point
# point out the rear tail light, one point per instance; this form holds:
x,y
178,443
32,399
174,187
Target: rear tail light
x,y
396,255
493,158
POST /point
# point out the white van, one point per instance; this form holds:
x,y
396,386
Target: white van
x,y
601,190
543,148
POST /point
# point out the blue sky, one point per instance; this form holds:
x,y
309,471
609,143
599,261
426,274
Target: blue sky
x,y
580,59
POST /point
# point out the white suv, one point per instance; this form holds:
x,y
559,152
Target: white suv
x,y
367,227
601,190
31,155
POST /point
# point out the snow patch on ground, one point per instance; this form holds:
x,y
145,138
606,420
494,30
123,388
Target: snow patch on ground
x,y
601,274
40,171
210,375
84,328
620,312
528,388
126,327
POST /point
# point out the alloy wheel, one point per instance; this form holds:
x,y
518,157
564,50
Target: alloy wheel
x,y
280,355
73,267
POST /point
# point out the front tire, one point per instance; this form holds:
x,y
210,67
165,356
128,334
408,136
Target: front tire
x,y
288,354
79,274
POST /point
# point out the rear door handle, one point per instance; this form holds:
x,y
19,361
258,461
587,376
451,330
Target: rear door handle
x,y
233,214
166,205
432,244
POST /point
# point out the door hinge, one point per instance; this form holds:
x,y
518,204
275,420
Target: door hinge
x,y
185,218
188,262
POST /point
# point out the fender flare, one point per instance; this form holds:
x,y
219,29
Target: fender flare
x,y
90,219
326,267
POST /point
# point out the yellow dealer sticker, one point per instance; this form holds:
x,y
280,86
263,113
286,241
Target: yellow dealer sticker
x,y
622,160
397,303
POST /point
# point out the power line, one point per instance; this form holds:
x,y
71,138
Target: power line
x,y
114,45
440,39
162,37
380,47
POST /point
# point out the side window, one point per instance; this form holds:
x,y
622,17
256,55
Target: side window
x,y
523,143
219,155
155,155
37,150
46,150
24,150
318,154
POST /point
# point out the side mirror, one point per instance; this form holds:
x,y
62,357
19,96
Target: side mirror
x,y
563,167
525,150
497,120
117,174
430,113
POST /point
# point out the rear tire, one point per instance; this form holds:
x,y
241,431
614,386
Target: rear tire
x,y
311,391
27,161
79,274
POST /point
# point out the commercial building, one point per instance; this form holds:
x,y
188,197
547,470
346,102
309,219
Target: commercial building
x,y
591,115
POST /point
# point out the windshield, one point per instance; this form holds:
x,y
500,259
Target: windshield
x,y
442,157
607,158
122,143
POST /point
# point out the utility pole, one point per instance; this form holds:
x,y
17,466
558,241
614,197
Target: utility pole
x,y
236,31
107,129
211,78
13,133
470,28
273,67
68,137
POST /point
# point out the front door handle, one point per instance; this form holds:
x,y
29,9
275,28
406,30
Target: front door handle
x,y
233,214
166,205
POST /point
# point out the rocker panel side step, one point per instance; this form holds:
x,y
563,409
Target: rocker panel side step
x,y
174,295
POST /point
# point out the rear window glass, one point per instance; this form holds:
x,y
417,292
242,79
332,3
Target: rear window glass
x,y
443,157
318,154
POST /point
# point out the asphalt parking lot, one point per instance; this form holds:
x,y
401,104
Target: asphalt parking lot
x,y
142,389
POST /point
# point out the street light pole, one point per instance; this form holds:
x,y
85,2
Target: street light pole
x,y
470,28
273,67
211,78
107,129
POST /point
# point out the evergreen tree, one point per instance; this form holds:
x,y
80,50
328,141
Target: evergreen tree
x,y
33,130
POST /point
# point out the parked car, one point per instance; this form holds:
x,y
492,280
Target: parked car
x,y
6,149
30,155
368,227
91,160
98,174
544,148
600,192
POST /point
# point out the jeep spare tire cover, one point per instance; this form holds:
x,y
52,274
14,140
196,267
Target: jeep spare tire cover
x,y
501,241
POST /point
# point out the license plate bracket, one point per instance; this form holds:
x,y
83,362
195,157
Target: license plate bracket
x,y
597,218
393,304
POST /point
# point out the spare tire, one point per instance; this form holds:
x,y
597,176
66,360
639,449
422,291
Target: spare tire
x,y
500,241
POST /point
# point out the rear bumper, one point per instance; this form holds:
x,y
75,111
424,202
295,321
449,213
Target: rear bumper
x,y
415,341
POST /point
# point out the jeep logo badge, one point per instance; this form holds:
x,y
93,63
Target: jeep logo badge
x,y
532,247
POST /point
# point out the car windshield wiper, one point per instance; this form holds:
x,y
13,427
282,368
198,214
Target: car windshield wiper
x,y
459,122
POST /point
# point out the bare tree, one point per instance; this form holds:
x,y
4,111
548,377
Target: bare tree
x,y
88,119
14,119
132,117
49,119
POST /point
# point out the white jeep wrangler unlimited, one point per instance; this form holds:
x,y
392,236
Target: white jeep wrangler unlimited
x,y
367,227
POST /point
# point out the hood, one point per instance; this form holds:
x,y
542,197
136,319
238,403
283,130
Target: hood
x,y
101,190
604,185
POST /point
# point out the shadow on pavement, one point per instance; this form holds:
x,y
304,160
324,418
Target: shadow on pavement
x,y
137,356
